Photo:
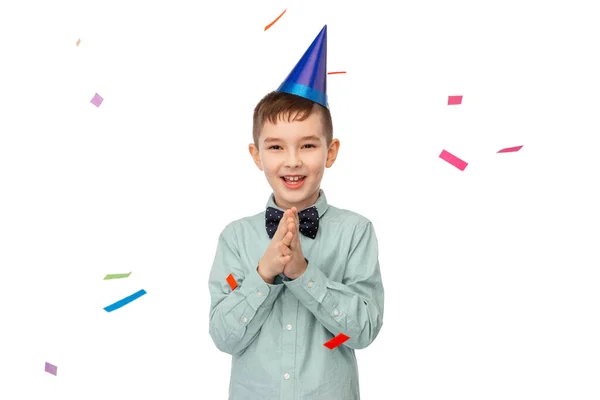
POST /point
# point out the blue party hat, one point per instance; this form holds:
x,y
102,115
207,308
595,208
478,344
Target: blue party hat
x,y
308,79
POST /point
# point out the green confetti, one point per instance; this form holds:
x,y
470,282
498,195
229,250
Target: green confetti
x,y
116,276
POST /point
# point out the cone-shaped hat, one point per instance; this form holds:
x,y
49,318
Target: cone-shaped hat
x,y
308,79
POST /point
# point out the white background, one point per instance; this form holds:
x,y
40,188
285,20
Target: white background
x,y
491,274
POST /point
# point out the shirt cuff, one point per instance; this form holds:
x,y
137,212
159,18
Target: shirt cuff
x,y
258,292
311,286
285,278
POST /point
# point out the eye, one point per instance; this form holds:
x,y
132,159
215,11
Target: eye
x,y
279,146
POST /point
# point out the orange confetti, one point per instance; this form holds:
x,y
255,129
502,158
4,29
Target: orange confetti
x,y
232,282
78,41
276,19
339,72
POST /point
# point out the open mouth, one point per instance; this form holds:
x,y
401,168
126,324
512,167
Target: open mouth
x,y
293,182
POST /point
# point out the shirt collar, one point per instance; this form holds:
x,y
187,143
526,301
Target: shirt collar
x,y
320,204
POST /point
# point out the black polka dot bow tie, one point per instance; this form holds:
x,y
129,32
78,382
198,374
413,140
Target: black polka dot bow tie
x,y
309,221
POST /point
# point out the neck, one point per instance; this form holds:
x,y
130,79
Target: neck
x,y
301,206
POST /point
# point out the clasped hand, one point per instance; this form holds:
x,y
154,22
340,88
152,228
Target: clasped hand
x,y
284,254
290,246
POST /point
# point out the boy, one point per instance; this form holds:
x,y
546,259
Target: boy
x,y
305,271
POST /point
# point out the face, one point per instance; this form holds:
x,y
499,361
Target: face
x,y
294,148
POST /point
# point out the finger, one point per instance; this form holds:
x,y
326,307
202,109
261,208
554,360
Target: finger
x,y
285,250
281,228
291,224
287,239
284,259
296,239
297,217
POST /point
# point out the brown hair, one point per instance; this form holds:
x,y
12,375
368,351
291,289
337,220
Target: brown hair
x,y
278,105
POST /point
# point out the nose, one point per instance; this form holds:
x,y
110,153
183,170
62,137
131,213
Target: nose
x,y
292,159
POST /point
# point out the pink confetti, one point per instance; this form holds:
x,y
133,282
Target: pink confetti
x,y
454,100
510,149
51,368
452,159
97,100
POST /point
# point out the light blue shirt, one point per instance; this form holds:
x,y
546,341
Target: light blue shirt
x,y
276,332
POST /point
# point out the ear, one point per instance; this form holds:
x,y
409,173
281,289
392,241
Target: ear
x,y
332,152
255,155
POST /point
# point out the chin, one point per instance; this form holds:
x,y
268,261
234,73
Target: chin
x,y
293,196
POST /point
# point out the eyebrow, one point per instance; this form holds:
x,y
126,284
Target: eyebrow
x,y
272,139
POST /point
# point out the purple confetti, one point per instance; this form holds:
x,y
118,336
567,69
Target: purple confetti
x,y
97,100
51,368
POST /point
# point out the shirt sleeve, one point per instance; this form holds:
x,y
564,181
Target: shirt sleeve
x,y
353,307
237,315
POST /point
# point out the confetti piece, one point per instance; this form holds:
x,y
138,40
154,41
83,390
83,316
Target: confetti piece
x,y
232,282
336,341
51,368
125,301
452,159
276,19
97,100
454,100
510,149
116,276
78,41
339,72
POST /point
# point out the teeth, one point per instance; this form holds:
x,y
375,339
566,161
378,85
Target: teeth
x,y
293,179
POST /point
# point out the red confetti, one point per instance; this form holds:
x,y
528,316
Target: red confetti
x,y
452,159
339,72
276,19
454,100
336,341
510,149
232,282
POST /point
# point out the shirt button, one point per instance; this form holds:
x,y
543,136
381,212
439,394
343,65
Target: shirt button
x,y
336,312
310,284
260,293
286,376
288,327
245,319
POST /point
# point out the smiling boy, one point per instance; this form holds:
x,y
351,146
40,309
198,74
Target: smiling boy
x,y
305,271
